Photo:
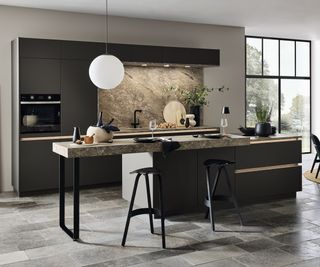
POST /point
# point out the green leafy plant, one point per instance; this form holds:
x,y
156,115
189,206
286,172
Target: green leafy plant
x,y
196,96
263,112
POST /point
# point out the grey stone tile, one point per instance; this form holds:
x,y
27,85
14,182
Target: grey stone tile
x,y
308,263
205,256
216,243
272,257
168,262
62,261
222,263
305,250
123,262
259,244
296,237
176,228
100,254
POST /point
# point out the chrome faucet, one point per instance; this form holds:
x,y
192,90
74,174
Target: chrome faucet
x,y
136,122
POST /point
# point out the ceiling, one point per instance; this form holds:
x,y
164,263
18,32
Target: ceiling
x,y
285,18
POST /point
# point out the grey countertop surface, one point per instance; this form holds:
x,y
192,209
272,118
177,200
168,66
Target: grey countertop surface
x,y
187,142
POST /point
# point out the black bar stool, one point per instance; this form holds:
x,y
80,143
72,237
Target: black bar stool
x,y
316,143
149,210
220,165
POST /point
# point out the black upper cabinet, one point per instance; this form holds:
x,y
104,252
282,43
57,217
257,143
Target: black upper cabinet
x,y
81,50
39,48
161,54
136,53
78,96
39,76
191,56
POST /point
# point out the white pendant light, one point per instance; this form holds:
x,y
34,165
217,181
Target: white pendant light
x,y
106,71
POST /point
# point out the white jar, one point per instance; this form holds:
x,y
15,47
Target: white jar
x,y
190,116
192,122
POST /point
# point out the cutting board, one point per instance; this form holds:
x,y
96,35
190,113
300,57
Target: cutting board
x,y
172,109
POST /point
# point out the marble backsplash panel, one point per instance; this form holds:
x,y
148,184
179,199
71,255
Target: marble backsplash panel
x,y
144,88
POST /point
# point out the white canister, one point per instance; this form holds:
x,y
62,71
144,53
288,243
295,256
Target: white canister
x,y
192,122
100,135
190,116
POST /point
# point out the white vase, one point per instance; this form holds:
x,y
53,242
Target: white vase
x,y
192,122
100,135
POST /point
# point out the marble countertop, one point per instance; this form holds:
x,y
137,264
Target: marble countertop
x,y
126,146
187,142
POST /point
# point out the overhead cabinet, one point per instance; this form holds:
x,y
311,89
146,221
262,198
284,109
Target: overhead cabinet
x,y
165,55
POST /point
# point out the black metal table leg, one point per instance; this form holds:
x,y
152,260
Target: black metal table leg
x,y
76,203
62,191
76,200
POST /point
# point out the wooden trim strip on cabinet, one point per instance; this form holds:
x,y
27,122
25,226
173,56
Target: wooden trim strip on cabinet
x,y
255,142
267,168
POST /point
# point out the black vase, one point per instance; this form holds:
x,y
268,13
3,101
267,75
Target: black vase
x,y
76,134
196,111
263,129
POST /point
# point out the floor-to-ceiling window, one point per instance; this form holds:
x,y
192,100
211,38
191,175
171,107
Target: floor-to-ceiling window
x,y
278,74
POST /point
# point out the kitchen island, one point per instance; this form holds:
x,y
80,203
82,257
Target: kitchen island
x,y
265,169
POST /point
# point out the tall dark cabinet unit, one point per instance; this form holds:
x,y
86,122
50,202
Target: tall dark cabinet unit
x,y
55,67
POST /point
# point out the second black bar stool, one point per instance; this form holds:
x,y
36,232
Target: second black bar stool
x,y
219,165
151,211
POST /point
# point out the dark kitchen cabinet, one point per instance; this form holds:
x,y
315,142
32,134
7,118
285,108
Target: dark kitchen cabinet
x,y
81,50
260,155
191,56
137,53
78,96
38,168
179,176
39,76
268,183
39,48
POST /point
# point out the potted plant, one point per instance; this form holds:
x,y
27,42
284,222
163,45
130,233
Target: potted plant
x,y
263,113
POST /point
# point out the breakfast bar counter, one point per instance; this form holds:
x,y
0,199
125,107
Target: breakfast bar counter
x,y
265,169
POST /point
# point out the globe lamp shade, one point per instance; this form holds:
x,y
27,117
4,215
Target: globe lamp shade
x,y
106,71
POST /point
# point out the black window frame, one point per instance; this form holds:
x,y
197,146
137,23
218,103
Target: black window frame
x,y
279,77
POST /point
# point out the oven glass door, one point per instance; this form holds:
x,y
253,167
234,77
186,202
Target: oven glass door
x,y
40,117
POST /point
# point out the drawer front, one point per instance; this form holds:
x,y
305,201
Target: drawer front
x,y
268,183
268,154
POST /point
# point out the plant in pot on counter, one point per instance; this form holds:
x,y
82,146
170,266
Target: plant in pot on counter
x,y
263,113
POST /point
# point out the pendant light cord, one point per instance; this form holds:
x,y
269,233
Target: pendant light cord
x,y
107,26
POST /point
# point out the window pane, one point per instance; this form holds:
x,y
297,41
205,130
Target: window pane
x,y
270,57
266,91
303,58
295,109
286,58
254,56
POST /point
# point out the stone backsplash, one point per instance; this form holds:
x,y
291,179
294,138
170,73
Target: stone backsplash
x,y
144,88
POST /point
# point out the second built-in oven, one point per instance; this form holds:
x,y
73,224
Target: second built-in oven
x,y
39,113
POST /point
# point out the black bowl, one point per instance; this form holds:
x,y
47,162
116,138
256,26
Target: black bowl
x,y
249,131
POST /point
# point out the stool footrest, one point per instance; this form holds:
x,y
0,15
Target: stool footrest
x,y
144,211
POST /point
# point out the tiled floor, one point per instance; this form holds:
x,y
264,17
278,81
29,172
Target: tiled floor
x,y
280,233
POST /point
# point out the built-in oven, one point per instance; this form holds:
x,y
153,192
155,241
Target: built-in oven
x,y
39,113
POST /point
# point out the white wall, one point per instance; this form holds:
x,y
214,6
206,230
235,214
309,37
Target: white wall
x,y
37,23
